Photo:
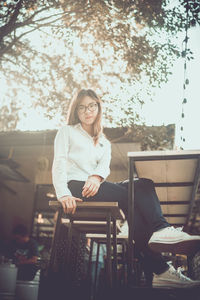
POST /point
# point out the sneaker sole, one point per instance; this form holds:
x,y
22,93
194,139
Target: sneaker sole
x,y
171,286
181,247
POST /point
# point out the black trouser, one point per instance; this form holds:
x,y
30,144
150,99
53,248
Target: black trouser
x,y
148,216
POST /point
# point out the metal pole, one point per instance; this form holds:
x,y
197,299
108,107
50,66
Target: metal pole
x,y
130,221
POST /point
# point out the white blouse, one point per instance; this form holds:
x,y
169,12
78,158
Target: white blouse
x,y
76,157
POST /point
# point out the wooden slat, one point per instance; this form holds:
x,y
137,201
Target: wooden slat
x,y
90,226
176,215
175,209
174,193
174,202
167,170
174,220
88,204
102,237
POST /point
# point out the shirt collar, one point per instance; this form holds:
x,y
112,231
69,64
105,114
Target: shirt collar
x,y
79,126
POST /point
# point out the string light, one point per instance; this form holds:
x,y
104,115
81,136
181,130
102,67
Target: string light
x,y
185,79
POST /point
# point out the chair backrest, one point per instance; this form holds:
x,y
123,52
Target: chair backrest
x,y
176,175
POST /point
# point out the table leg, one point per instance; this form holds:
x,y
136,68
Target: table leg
x,y
130,222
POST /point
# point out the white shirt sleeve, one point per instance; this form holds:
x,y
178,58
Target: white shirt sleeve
x,y
59,168
103,167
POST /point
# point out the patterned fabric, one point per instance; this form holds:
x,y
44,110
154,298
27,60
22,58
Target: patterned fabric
x,y
75,272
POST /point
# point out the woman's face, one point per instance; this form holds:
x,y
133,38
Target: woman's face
x,y
87,111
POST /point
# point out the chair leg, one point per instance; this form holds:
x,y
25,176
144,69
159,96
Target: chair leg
x,y
108,246
96,268
68,248
55,239
114,253
89,270
90,259
124,262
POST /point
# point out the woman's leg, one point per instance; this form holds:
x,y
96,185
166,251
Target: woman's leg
x,y
146,201
145,219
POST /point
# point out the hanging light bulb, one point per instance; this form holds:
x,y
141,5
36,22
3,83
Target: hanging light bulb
x,y
184,54
187,81
40,220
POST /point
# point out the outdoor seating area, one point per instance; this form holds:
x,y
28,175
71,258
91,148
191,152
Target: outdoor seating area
x,y
176,175
178,192
177,181
99,150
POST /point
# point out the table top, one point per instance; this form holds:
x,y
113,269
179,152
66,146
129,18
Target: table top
x,y
164,154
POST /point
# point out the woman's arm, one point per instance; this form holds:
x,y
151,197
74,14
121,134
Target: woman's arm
x,y
100,173
59,168
103,166
59,171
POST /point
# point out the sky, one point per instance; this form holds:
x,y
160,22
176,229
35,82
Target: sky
x,y
166,107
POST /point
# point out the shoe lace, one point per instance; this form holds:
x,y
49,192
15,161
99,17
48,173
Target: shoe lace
x,y
180,275
178,272
172,228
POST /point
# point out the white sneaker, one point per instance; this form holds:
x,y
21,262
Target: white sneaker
x,y
173,278
170,239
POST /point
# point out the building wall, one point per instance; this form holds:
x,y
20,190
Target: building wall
x,y
19,208
35,164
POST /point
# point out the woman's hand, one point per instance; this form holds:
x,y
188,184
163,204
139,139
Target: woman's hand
x,y
91,186
69,204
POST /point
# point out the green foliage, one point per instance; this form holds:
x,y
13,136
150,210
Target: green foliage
x,y
9,117
149,137
156,138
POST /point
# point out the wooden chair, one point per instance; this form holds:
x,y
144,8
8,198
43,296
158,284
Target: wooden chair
x,y
122,240
90,217
176,175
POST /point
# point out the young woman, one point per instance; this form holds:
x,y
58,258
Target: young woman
x,y
81,165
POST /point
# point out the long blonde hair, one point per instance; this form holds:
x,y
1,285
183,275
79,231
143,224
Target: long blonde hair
x,y
72,116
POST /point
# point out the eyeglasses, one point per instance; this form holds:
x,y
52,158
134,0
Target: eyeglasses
x,y
91,107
